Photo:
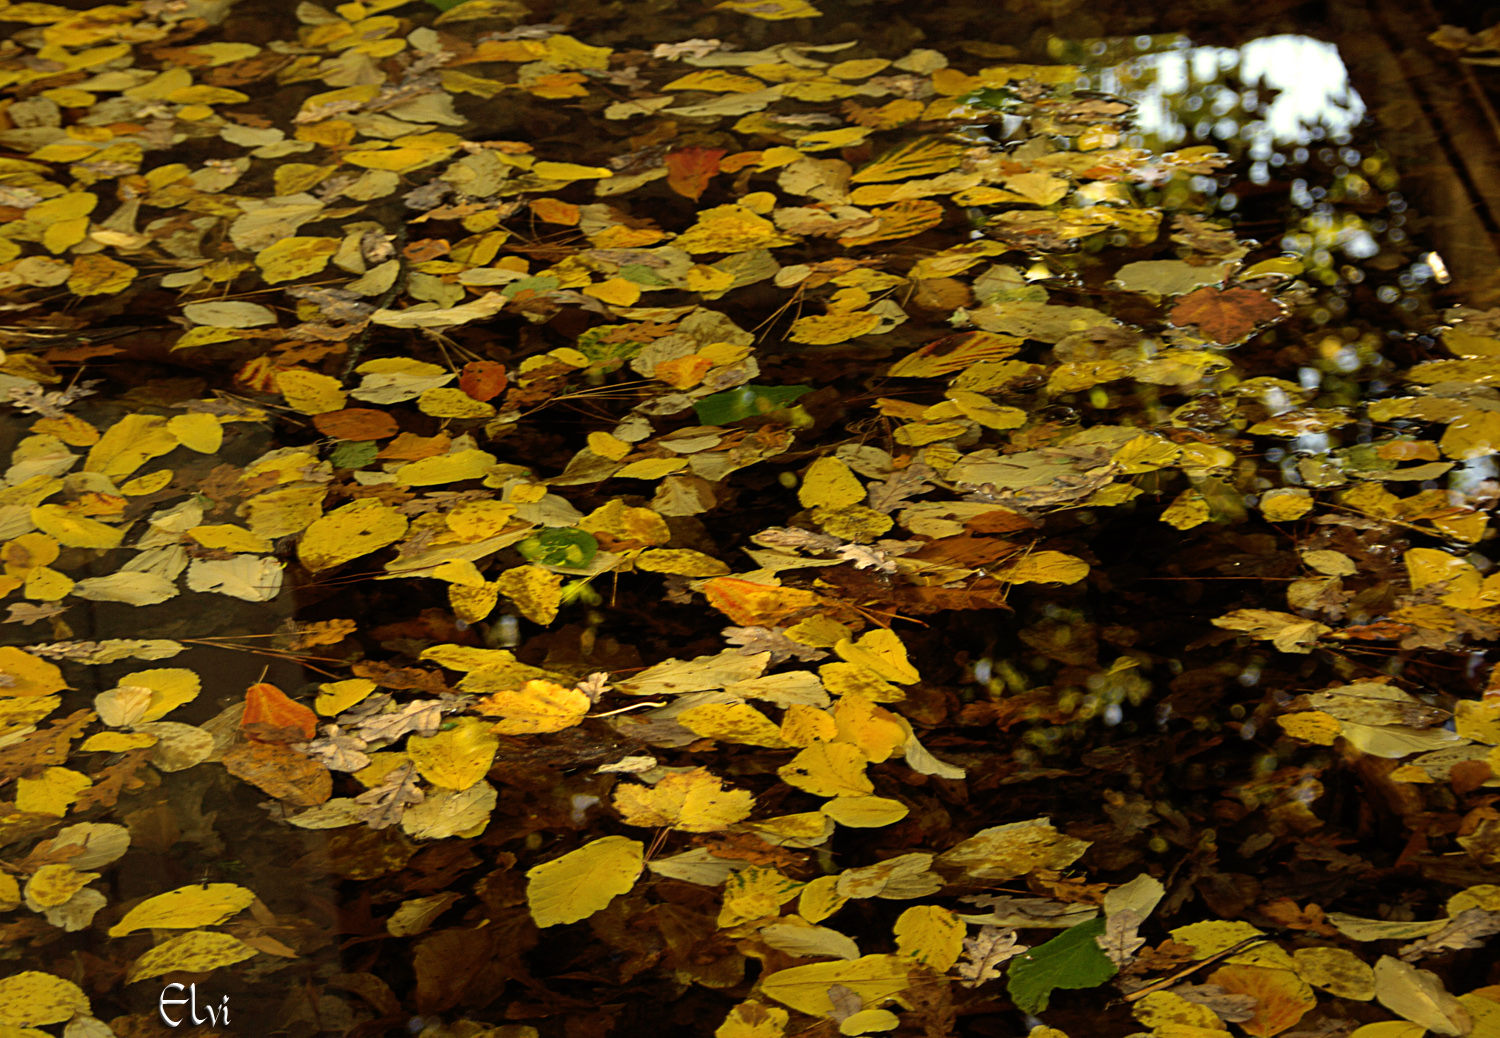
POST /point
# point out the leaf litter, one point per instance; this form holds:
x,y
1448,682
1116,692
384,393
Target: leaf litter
x,y
503,415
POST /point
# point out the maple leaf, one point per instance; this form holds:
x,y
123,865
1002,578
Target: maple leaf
x,y
375,724
846,1002
595,685
336,750
865,557
384,804
33,399
886,496
1225,315
752,640
985,953
26,614
1230,1007
1468,929
1119,939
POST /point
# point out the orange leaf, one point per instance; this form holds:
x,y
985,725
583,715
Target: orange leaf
x,y
355,423
1282,997
257,375
270,716
749,604
550,210
1226,315
482,379
690,170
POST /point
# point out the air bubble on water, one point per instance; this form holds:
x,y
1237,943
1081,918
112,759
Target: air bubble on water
x,y
1311,378
581,804
1113,715
984,670
1250,676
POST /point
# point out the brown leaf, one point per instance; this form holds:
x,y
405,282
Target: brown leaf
x,y
355,423
1225,315
280,772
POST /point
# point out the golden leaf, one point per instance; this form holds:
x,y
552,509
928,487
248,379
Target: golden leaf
x,y
828,769
28,675
693,802
537,706
456,757
346,533
584,881
295,257
833,328
185,908
196,952
732,722
310,392
874,978
537,592
31,998
932,935
865,812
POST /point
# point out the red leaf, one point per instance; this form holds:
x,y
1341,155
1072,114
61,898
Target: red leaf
x,y
270,716
690,170
482,379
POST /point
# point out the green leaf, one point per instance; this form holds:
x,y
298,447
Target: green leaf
x,y
446,5
999,99
560,547
354,454
1072,959
745,402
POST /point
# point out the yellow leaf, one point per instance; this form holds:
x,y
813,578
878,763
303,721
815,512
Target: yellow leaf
x,y
872,729
652,468
311,392
682,561
1337,971
755,893
32,998
880,651
828,769
457,757
98,275
1312,726
1167,1013
229,537
446,468
147,484
692,801
537,706
27,675
1190,509
569,171
820,899
185,908
833,328
278,513
771,10
449,402
45,584
346,533
1209,938
584,881
751,1019
537,592
10,898
198,952
829,483
334,697
53,885
1006,851
1284,505
295,257
638,526
129,444
731,228
874,978
732,722
51,792
865,812
615,291
117,742
803,725
605,445
1389,1029
75,531
1044,567
932,935
170,687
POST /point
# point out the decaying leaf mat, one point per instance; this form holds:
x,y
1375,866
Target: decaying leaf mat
x,y
510,520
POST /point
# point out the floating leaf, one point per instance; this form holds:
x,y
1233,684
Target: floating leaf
x,y
583,882
1072,959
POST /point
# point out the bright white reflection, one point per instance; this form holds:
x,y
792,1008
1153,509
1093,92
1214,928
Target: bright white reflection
x,y
1315,98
